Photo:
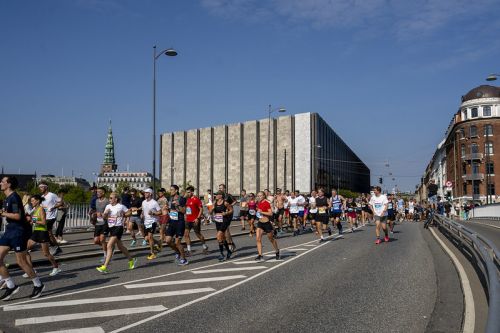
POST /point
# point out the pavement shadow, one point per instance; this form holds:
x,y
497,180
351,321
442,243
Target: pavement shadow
x,y
80,285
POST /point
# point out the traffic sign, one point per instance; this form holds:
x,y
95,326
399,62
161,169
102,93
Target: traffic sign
x,y
449,183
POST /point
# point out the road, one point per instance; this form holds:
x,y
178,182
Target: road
x,y
488,229
344,285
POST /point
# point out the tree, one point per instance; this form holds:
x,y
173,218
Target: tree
x,y
121,186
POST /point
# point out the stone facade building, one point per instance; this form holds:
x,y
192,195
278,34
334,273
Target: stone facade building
x,y
304,152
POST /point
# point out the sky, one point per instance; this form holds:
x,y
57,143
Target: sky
x,y
386,75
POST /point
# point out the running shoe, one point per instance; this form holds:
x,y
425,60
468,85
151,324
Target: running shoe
x,y
183,262
3,284
386,239
37,291
62,241
58,251
329,231
102,269
25,275
321,240
221,257
232,247
177,256
9,292
187,253
378,241
228,255
55,271
156,248
132,263
53,250
259,258
144,242
133,243
152,256
278,255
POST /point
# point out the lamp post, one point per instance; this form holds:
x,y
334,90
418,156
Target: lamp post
x,y
492,77
270,110
171,53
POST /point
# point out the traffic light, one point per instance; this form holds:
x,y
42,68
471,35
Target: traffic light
x,y
380,180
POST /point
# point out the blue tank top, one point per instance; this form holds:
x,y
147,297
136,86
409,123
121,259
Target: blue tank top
x,y
336,204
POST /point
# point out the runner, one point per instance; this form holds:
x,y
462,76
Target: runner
x,y
365,209
294,212
411,210
264,213
221,215
391,214
312,212
359,211
176,225
378,203
351,213
50,204
194,210
232,202
301,202
40,234
100,225
163,219
62,211
115,214
279,201
322,215
135,220
337,204
17,233
243,208
401,209
252,212
210,205
150,210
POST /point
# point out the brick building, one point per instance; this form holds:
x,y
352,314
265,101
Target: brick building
x,y
470,143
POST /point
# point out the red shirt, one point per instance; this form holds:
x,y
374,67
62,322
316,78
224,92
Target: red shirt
x,y
193,207
264,206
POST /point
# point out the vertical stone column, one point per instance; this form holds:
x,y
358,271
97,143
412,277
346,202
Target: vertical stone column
x,y
205,159
234,159
166,160
250,156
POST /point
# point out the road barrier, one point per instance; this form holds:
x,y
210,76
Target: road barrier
x,y
491,212
485,255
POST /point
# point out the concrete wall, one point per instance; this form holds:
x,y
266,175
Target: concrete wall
x,y
250,136
205,159
303,152
284,142
219,156
234,158
192,157
166,160
179,147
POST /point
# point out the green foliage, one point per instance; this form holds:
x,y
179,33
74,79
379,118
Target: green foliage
x,y
121,185
347,193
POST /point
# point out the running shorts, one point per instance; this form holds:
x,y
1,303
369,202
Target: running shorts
x,y
381,219
193,225
50,224
323,218
252,217
150,230
301,213
163,219
351,214
116,232
16,239
40,236
294,215
176,229
312,216
101,229
243,213
266,226
222,226
136,219
335,214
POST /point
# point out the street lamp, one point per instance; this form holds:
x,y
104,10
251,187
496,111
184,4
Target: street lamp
x,y
171,53
492,77
270,110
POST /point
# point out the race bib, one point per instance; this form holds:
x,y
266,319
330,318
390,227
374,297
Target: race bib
x,y
336,206
259,215
219,218
100,220
350,209
111,221
251,212
378,206
322,210
188,211
134,213
174,216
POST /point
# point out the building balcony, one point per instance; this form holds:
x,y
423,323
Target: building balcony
x,y
470,157
473,176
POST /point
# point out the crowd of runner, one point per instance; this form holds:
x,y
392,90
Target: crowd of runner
x,y
169,218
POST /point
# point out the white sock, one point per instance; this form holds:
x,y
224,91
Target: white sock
x,y
189,247
322,237
10,282
205,246
37,282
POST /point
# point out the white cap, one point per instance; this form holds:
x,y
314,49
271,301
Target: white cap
x,y
148,190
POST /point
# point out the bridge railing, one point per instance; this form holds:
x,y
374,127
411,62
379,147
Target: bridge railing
x,y
487,258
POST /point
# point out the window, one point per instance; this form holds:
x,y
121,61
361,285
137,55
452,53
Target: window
x,y
476,187
474,148
461,133
473,131
464,169
488,148
464,189
473,113
487,111
464,114
491,189
475,168
488,130
490,170
462,151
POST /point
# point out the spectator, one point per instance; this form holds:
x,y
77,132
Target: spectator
x,y
62,211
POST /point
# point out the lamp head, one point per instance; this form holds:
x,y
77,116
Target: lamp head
x,y
281,110
171,52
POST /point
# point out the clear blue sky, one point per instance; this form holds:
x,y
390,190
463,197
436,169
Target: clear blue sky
x,y
386,75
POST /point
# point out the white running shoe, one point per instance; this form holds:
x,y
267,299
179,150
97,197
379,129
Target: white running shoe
x,y
55,271
25,275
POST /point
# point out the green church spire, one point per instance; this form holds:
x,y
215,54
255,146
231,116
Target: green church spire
x,y
109,164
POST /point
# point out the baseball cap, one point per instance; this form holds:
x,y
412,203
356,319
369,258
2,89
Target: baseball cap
x,y
148,190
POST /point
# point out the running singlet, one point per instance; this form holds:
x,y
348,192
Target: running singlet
x,y
336,204
312,205
252,207
378,204
294,207
264,205
35,217
321,204
193,207
219,209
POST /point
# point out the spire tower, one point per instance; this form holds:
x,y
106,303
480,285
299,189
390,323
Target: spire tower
x,y
109,164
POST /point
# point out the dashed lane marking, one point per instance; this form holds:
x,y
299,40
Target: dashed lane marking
x,y
187,281
96,329
232,269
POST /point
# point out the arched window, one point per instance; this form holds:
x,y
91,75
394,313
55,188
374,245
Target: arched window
x,y
473,113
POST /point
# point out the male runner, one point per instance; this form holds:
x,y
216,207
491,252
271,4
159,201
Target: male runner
x,y
50,204
194,210
391,214
100,225
135,220
279,202
150,210
163,219
176,225
378,203
243,201
337,204
228,198
17,233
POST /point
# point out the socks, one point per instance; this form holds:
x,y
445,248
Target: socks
x,y
189,247
10,282
205,246
37,282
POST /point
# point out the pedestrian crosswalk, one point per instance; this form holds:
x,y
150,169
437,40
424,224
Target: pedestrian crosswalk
x,y
160,295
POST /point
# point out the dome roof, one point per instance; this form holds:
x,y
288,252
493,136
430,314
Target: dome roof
x,y
483,91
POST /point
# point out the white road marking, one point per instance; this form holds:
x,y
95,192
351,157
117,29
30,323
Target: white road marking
x,y
295,249
106,299
470,314
186,281
233,269
97,329
255,261
89,315
310,245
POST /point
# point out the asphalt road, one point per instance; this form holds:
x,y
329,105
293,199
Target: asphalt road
x,y
343,285
490,232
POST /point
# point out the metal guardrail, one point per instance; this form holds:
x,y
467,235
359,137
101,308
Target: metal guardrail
x,y
488,261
